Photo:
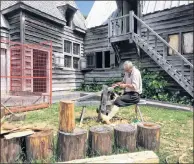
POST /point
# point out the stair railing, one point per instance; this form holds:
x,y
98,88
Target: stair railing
x,y
132,15
118,26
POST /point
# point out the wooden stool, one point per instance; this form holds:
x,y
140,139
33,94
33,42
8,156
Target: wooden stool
x,y
137,109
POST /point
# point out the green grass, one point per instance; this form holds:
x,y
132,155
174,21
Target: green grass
x,y
176,127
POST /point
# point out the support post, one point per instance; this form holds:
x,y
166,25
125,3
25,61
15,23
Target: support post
x,y
131,26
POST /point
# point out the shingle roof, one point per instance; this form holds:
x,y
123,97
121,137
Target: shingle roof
x,y
50,8
107,8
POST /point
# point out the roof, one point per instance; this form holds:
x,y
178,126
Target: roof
x,y
50,8
109,8
96,18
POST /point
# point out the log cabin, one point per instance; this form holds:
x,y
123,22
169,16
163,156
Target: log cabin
x,y
157,35
37,21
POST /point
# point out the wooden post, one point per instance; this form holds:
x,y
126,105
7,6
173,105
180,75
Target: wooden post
x,y
125,137
100,140
72,146
10,149
66,116
39,146
148,135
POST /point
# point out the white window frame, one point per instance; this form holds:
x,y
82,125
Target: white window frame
x,y
71,54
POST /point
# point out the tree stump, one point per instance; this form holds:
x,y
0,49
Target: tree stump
x,y
66,116
125,137
72,146
100,140
10,150
39,146
148,135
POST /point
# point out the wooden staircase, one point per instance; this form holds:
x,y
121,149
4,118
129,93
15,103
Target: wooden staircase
x,y
183,74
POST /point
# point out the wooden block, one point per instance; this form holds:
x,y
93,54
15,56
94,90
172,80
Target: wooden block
x,y
100,140
148,135
72,145
137,157
39,146
66,116
125,137
10,149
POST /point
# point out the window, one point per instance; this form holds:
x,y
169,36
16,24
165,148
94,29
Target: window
x,y
75,63
187,43
76,49
90,60
173,40
67,61
98,60
72,54
67,46
107,59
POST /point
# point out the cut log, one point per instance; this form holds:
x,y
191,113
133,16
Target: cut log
x,y
100,140
148,135
66,117
10,150
39,146
125,137
137,157
72,146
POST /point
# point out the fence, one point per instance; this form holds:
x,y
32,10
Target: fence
x,y
26,73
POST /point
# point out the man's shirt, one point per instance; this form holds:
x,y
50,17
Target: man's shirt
x,y
133,78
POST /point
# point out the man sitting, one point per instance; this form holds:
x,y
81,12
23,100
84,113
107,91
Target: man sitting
x,y
132,85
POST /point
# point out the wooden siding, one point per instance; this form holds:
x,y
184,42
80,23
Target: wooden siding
x,y
14,23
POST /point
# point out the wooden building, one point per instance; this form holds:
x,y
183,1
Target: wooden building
x,y
37,21
157,35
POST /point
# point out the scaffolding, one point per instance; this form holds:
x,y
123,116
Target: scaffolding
x,y
26,73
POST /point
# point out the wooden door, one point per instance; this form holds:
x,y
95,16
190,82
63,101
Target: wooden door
x,y
28,69
16,68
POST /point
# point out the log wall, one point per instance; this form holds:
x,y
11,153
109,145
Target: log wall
x,y
36,29
165,22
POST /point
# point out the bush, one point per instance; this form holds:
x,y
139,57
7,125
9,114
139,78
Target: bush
x,y
154,87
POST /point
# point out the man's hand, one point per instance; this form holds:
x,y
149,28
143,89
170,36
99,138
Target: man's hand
x,y
123,85
116,84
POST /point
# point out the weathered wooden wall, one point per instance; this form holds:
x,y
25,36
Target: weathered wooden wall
x,y
163,22
29,28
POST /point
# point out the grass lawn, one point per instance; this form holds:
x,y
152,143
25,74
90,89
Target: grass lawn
x,y
176,127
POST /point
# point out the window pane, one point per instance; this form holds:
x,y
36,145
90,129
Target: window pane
x,y
174,42
75,63
76,48
99,60
188,43
67,46
67,61
107,59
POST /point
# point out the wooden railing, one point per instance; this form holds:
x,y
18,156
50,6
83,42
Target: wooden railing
x,y
118,26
